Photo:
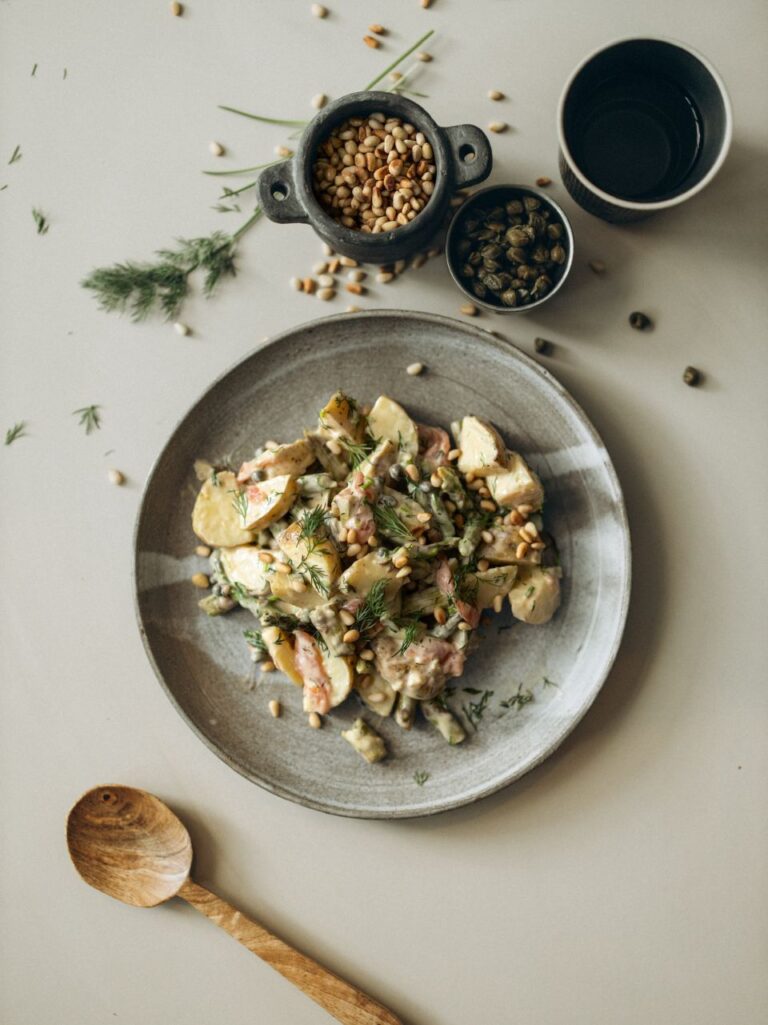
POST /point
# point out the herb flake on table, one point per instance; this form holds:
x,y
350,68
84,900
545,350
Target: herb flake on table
x,y
518,700
16,155
90,418
420,777
474,710
15,432
41,221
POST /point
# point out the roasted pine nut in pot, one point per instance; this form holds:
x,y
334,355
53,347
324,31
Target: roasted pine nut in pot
x,y
373,174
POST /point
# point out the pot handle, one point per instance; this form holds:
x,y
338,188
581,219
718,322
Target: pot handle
x,y
471,154
277,194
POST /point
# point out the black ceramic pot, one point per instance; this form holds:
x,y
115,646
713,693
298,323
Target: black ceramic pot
x,y
462,156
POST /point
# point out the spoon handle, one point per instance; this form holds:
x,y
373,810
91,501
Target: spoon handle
x,y
346,1003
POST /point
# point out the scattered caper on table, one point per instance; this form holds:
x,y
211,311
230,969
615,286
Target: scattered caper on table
x,y
543,346
509,254
639,321
692,376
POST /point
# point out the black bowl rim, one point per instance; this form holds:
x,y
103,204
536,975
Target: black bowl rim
x,y
526,190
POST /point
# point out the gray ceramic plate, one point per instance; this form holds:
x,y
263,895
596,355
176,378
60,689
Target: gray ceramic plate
x,y
203,663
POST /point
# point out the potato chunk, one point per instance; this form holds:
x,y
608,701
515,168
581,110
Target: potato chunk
x,y
492,582
315,558
263,503
215,518
281,652
517,485
341,415
292,589
360,577
388,421
535,595
244,566
294,459
482,448
503,548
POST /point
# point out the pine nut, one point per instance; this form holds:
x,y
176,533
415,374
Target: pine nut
x,y
351,536
469,310
309,285
435,480
400,560
367,655
495,94
267,667
326,293
498,127
476,483
487,536
414,369
356,275
483,565
538,546
182,329
333,446
348,261
315,721
203,551
522,550
371,41
488,505
378,30
319,10
275,708
454,454
514,519
422,55
404,572
283,567
525,510
355,288
116,477
440,614
498,602
319,101
351,636
283,151
354,549
412,472
296,284
384,277
216,149
464,627
200,580
266,557
346,617
352,309
424,517
176,9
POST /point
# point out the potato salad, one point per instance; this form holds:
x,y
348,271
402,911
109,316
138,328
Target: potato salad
x,y
369,551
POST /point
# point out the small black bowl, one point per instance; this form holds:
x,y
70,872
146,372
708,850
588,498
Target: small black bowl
x,y
502,194
462,156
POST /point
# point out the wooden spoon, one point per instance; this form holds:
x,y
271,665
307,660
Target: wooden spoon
x,y
130,845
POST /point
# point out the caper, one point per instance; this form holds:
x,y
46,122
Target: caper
x,y
531,203
557,254
496,213
474,258
541,286
555,231
537,222
691,375
540,254
516,283
526,272
543,345
517,237
509,297
471,226
516,254
523,295
496,226
493,282
467,270
464,246
514,206
639,321
490,251
479,289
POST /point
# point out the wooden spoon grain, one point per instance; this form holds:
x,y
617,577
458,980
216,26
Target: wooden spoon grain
x,y
128,844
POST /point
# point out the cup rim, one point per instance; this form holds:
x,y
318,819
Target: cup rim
x,y
528,190
629,204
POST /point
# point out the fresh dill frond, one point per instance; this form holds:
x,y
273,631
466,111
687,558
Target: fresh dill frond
x,y
410,630
519,699
286,122
420,777
141,288
474,710
240,503
282,620
41,222
90,418
17,431
312,522
465,583
254,638
16,155
317,578
222,208
373,609
357,451
390,525
34,70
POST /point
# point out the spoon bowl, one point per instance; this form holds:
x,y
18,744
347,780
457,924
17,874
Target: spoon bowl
x,y
128,844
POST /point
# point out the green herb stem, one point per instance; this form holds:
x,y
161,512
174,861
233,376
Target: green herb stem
x,y
265,120
393,65
240,170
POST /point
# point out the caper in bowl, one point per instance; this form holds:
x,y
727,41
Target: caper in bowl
x,y
509,248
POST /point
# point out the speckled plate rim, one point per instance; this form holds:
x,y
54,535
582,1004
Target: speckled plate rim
x,y
509,350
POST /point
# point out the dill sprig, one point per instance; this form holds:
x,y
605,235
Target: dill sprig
x,y
241,170
285,122
15,432
317,578
41,221
143,287
410,629
254,638
400,59
474,710
357,451
373,609
519,699
283,620
389,523
312,522
90,418
240,503
16,155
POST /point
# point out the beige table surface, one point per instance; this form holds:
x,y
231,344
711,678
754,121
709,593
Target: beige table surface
x,y
622,882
